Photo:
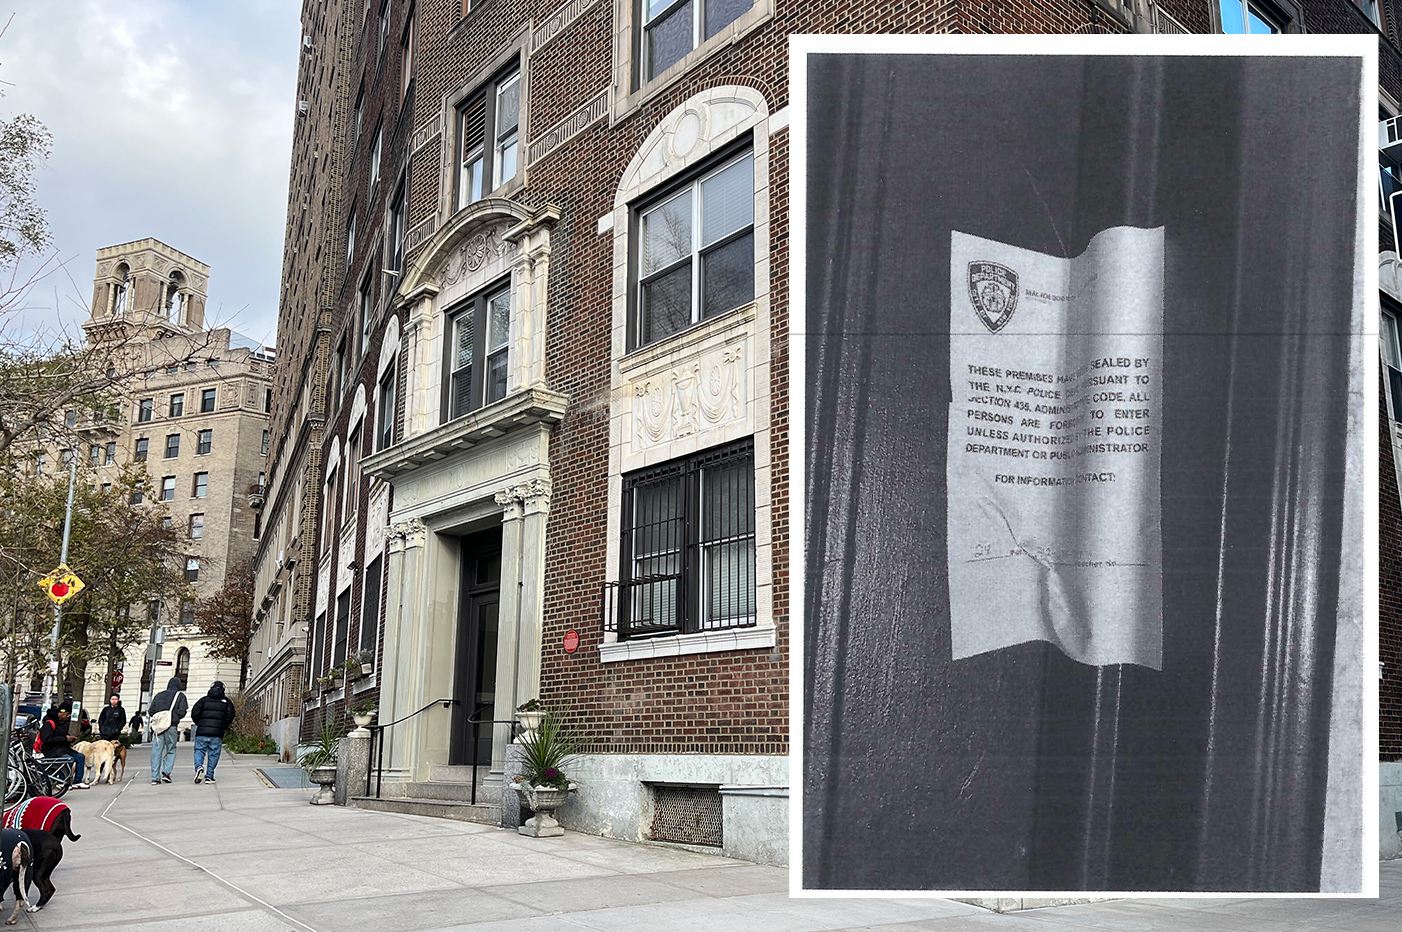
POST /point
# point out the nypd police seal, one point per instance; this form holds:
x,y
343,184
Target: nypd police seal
x,y
993,293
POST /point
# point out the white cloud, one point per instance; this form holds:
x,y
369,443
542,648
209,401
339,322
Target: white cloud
x,y
170,119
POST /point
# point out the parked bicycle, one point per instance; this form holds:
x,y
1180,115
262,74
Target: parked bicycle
x,y
34,776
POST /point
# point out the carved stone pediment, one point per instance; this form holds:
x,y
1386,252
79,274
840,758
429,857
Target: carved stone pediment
x,y
475,251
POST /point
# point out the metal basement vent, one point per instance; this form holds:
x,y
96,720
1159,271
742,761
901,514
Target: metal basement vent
x,y
687,814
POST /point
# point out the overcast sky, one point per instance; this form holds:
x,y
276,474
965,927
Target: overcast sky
x,y
170,118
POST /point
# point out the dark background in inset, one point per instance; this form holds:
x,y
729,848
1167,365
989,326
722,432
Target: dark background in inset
x,y
1021,769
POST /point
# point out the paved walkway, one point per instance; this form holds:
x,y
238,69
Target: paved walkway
x,y
240,857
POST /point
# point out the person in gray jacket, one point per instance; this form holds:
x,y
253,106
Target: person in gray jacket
x,y
163,744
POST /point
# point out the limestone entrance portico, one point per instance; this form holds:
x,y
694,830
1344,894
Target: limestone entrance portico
x,y
455,478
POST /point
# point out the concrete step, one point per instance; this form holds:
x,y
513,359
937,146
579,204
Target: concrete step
x,y
455,773
457,792
437,808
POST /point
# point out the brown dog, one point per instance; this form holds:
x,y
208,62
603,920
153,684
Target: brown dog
x,y
119,753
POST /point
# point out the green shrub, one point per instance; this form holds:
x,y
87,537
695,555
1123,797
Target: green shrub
x,y
250,744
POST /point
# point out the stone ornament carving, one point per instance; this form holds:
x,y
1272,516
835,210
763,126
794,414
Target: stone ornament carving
x,y
404,535
104,269
694,397
474,252
535,491
159,264
690,131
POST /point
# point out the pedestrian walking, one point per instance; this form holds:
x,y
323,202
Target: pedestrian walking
x,y
136,722
167,708
55,741
211,717
113,717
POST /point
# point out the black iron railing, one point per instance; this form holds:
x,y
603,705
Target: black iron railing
x,y
377,738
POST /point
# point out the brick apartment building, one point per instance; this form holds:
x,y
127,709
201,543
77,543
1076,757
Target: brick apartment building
x,y
530,428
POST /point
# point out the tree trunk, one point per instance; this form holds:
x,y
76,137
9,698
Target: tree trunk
x,y
243,672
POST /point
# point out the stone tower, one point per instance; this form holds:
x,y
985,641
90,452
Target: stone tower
x,y
150,285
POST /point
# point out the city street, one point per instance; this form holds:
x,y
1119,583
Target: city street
x,y
243,857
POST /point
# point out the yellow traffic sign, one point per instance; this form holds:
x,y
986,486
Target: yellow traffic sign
x,y
61,585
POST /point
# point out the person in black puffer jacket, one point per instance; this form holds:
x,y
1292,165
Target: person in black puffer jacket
x,y
211,716
113,717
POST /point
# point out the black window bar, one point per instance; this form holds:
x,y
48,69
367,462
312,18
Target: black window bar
x,y
688,547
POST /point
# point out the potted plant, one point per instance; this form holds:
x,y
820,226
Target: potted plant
x,y
364,713
542,784
318,762
325,682
528,716
365,659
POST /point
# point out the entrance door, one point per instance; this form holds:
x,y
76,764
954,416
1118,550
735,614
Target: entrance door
x,y
475,672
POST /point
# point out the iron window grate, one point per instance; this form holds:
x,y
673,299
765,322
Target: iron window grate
x,y
687,814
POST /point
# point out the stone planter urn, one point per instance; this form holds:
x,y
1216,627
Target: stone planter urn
x,y
542,800
363,718
529,722
325,777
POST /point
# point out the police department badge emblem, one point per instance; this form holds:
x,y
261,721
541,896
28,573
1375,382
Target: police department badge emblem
x,y
993,292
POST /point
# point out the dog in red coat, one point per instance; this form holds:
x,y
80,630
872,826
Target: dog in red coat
x,y
46,821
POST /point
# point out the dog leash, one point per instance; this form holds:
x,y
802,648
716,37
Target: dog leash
x,y
232,886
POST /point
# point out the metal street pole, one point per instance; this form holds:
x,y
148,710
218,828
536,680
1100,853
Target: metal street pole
x,y
51,682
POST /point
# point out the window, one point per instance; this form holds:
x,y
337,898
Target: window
x,y
359,118
688,556
201,488
366,312
1392,359
95,454
350,241
1258,17
329,504
375,153
352,472
167,488
696,252
204,442
672,28
338,646
177,404
187,614
406,59
370,605
196,526
39,464
384,414
207,400
488,137
167,523
143,446
137,497
383,39
70,418
106,487
479,330
339,388
192,569
145,410
267,401
109,454
264,450
182,666
395,260
317,635
172,446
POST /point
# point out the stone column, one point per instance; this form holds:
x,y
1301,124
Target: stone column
x,y
403,616
510,802
508,611
352,765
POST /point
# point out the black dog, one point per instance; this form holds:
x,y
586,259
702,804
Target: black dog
x,y
45,845
47,852
17,869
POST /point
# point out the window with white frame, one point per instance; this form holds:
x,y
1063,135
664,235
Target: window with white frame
x,y
406,58
1392,358
204,442
359,118
384,412
201,485
695,251
329,505
375,152
672,28
352,472
145,409
395,259
192,569
167,488
488,137
196,526
688,547
176,407
370,605
1259,17
479,329
350,241
383,39
172,446
366,313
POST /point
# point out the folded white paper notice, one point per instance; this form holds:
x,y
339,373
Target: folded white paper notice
x,y
1056,372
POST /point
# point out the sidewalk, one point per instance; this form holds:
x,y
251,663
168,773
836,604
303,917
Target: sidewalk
x,y
292,866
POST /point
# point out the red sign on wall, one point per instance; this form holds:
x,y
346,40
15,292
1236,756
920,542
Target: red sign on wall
x,y
571,641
